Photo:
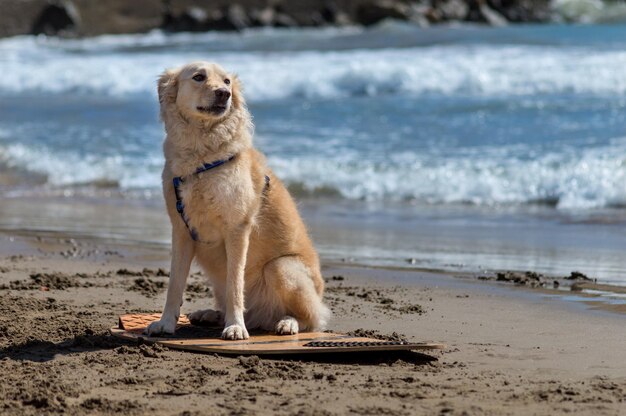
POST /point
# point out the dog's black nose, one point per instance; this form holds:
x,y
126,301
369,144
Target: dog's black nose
x,y
222,94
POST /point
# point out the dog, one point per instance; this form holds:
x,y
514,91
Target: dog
x,y
231,214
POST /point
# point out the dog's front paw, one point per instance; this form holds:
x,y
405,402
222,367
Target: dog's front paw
x,y
287,326
235,332
161,327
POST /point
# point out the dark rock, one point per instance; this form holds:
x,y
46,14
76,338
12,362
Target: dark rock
x,y
55,19
522,10
502,277
527,278
79,17
306,12
373,12
196,19
575,275
480,11
490,15
204,15
473,12
534,276
117,16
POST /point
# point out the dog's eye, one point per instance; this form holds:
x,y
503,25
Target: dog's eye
x,y
226,81
199,77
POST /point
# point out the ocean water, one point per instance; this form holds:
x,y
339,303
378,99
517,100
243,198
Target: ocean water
x,y
459,121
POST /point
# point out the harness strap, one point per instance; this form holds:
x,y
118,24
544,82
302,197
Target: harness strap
x,y
267,184
180,207
179,180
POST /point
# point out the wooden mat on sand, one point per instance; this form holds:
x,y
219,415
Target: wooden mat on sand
x,y
207,340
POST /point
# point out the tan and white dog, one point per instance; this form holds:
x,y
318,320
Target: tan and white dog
x,y
240,223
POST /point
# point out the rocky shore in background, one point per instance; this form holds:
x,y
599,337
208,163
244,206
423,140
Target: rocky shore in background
x,y
71,18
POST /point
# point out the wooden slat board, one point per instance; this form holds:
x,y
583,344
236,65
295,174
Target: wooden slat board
x,y
207,340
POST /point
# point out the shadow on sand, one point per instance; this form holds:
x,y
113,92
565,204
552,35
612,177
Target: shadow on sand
x,y
41,350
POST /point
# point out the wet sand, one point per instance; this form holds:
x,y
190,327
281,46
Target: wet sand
x,y
510,350
455,239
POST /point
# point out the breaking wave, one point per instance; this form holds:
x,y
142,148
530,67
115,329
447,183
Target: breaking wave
x,y
32,66
591,178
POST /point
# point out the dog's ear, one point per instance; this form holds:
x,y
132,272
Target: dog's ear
x,y
168,86
237,91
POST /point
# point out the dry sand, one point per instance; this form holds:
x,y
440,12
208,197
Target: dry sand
x,y
510,351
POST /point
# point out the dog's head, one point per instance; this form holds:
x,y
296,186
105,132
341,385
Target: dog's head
x,y
200,90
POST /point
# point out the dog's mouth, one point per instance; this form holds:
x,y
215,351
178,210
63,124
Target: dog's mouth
x,y
214,109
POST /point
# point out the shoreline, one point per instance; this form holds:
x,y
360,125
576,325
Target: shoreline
x,y
602,297
592,295
510,350
375,238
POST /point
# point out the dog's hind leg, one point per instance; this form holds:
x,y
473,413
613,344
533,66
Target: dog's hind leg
x,y
291,281
209,317
213,265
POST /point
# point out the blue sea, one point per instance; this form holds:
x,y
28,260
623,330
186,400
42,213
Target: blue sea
x,y
457,147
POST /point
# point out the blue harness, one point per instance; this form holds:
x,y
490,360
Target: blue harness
x,y
179,180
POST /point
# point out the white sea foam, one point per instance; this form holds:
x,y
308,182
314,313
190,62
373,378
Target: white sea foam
x,y
570,180
29,65
67,168
590,178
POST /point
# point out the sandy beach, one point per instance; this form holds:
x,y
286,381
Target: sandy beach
x,y
509,350
462,185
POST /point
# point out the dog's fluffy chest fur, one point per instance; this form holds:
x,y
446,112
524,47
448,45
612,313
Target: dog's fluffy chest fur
x,y
218,199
